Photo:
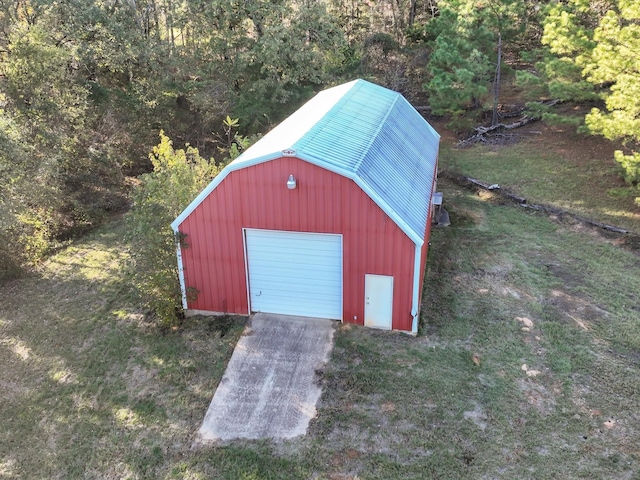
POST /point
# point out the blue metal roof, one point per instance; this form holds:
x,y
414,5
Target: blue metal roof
x,y
365,132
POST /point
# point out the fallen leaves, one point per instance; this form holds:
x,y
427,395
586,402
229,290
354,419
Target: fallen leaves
x,y
530,372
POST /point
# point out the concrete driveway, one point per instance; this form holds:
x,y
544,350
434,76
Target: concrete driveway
x,y
270,387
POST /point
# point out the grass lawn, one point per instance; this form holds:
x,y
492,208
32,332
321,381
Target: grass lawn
x,y
553,166
526,367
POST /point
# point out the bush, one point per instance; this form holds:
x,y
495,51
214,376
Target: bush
x,y
177,177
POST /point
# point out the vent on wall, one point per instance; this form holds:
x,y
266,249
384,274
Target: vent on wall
x,y
440,214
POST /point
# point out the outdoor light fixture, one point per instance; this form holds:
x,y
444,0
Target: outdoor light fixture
x,y
291,183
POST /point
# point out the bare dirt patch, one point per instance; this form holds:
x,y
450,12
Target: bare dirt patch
x,y
589,151
537,395
141,380
578,309
477,416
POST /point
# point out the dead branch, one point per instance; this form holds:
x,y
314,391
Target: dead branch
x,y
521,201
482,132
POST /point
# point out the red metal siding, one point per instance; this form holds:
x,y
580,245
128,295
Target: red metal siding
x,y
323,202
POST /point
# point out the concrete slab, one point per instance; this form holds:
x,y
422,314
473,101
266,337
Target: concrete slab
x,y
270,387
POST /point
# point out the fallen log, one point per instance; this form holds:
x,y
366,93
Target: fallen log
x,y
482,132
491,187
555,211
478,183
521,201
604,226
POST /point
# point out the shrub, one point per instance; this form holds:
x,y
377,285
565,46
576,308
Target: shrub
x,y
177,177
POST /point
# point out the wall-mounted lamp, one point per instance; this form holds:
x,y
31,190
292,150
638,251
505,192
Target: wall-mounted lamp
x,y
291,183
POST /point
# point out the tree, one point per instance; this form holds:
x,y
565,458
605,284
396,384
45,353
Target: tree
x,y
79,91
600,47
459,65
49,101
568,33
466,40
24,193
43,108
296,47
616,62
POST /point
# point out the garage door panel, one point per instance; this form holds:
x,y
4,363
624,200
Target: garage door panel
x,y
304,264
291,255
295,308
319,243
301,266
291,296
292,289
298,277
295,273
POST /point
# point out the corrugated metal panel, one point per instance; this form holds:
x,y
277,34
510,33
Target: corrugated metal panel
x,y
367,133
295,273
325,202
400,165
296,126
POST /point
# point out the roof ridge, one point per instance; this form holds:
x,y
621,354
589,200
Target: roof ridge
x,y
383,122
362,131
332,112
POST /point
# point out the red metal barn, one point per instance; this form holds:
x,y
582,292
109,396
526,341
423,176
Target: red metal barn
x,y
328,215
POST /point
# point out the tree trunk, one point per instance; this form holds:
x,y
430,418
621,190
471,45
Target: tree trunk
x,y
412,12
496,82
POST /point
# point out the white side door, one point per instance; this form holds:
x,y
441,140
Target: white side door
x,y
378,301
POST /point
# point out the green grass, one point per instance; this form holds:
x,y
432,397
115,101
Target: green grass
x,y
581,181
90,389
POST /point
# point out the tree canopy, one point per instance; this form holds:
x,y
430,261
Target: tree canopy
x,y
597,58
86,86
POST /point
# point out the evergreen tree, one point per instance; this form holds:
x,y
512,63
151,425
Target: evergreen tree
x,y
597,48
464,40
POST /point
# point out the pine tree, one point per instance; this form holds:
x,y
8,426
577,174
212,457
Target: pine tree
x,y
466,40
596,49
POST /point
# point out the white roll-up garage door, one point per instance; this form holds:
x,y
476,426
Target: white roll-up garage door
x,y
295,273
